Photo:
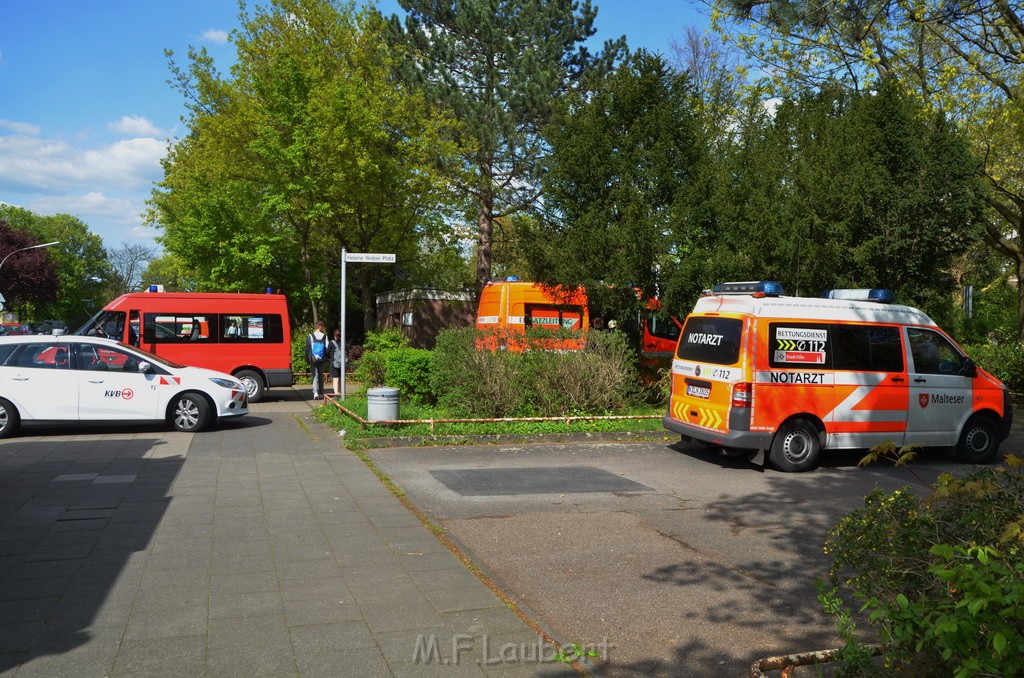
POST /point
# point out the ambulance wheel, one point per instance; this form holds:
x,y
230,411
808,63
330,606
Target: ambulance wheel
x,y
979,441
9,419
252,383
190,413
796,446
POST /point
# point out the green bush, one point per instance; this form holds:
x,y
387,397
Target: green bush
x,y
408,370
471,380
941,577
371,371
476,382
1004,360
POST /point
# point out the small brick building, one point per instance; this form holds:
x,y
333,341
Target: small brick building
x,y
422,312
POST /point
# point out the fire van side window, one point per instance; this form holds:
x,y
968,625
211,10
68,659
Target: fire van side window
x,y
711,340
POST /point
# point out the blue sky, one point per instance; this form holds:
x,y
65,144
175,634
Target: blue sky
x,y
86,112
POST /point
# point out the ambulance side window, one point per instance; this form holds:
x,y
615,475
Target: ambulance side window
x,y
933,353
711,340
867,348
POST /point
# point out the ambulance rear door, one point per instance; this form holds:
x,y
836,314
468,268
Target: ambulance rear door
x,y
707,364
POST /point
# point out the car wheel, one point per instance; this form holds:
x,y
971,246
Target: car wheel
x,y
190,413
796,446
253,384
979,441
9,419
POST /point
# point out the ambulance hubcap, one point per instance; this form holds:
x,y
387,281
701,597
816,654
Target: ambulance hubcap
x,y
978,440
796,446
186,414
4,418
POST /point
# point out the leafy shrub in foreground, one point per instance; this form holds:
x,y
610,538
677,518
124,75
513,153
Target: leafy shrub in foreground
x,y
942,577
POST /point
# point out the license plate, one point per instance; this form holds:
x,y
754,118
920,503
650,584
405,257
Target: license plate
x,y
698,391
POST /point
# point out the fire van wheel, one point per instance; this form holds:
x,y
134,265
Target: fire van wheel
x,y
8,419
252,383
796,446
190,413
979,441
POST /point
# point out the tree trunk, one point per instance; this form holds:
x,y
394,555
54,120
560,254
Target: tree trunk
x,y
485,229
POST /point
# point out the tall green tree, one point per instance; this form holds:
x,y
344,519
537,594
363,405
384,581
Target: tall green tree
x,y
78,266
621,171
311,145
500,66
963,59
838,189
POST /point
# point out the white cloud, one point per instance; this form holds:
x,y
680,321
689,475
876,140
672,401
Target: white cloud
x,y
25,128
124,212
30,164
136,126
215,35
105,186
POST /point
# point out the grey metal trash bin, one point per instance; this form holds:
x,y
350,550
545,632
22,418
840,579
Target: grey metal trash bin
x,y
381,403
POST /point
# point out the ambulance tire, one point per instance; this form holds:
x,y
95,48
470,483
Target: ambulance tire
x,y
9,419
796,446
979,441
190,413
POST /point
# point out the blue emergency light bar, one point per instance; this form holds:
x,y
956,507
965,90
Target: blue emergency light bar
x,y
874,294
760,288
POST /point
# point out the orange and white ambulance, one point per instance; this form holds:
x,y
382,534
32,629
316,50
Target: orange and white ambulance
x,y
755,370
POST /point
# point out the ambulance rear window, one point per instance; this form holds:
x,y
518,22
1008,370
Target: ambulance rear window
x,y
711,340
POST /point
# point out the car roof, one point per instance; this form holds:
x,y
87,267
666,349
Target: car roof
x,y
59,338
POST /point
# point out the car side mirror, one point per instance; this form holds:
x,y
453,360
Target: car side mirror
x,y
969,369
145,367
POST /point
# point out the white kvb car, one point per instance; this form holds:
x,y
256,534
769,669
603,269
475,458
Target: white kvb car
x,y
72,379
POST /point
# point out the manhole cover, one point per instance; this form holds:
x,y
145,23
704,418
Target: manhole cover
x,y
534,480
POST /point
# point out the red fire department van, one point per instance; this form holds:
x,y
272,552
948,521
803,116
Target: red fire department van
x,y
756,370
245,335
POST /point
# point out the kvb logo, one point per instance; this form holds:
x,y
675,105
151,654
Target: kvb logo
x,y
127,393
922,400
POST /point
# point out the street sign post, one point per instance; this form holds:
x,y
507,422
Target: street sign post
x,y
354,258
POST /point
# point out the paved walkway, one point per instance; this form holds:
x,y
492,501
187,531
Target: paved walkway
x,y
259,548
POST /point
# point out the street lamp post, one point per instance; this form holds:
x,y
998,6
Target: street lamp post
x,y
30,247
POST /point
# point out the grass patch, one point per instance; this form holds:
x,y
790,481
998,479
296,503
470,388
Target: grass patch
x,y
358,404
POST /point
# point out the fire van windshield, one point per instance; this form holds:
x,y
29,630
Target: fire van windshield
x,y
711,340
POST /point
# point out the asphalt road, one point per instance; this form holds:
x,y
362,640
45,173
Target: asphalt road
x,y
682,561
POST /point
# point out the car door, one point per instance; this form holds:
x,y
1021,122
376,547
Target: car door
x,y
38,379
112,387
940,396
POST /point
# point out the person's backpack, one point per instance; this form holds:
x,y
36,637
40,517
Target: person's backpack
x,y
317,349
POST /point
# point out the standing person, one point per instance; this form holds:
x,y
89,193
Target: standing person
x,y
316,356
336,362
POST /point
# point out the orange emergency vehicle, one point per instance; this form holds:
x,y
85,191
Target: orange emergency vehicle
x,y
245,335
755,370
509,307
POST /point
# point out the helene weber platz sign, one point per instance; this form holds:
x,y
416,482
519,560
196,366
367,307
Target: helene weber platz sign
x,y
354,258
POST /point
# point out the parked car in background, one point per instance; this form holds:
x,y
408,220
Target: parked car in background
x,y
16,329
46,380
